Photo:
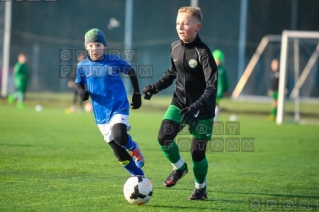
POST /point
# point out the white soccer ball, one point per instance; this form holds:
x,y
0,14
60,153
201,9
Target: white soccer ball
x,y
38,108
233,117
138,190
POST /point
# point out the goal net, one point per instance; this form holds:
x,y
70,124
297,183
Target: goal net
x,y
298,53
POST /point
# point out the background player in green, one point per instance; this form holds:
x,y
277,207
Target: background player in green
x,y
222,87
21,80
195,71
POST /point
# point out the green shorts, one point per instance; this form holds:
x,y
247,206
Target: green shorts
x,y
275,95
204,129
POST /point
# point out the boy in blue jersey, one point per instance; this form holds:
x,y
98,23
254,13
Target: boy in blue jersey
x,y
98,76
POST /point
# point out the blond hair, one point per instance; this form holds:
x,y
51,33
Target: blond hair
x,y
194,11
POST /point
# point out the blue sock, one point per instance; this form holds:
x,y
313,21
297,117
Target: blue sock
x,y
131,167
130,144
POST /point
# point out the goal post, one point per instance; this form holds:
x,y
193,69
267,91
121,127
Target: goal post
x,y
286,36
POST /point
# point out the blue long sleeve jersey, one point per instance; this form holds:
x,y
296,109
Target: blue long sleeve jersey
x,y
105,85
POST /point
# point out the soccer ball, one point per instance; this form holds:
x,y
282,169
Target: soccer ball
x,y
38,108
138,190
233,117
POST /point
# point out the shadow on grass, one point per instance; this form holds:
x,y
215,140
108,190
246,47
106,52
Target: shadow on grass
x,y
212,208
274,195
214,203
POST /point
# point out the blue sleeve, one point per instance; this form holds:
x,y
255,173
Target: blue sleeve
x,y
80,75
124,66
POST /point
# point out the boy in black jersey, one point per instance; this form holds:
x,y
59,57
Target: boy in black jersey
x,y
194,100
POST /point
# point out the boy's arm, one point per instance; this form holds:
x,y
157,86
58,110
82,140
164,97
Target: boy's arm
x,y
211,75
136,98
84,94
134,81
210,72
165,81
16,69
190,114
79,86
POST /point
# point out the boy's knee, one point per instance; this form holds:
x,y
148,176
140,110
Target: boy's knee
x,y
198,150
198,155
167,132
120,138
119,134
165,139
120,153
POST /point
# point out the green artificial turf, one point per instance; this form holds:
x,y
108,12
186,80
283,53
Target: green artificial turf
x,y
51,161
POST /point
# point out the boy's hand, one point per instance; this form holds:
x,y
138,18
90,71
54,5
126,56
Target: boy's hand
x,y
149,90
84,95
190,115
136,101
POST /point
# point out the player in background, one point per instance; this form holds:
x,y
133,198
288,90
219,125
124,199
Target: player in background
x,y
193,103
273,91
21,80
71,84
222,85
98,76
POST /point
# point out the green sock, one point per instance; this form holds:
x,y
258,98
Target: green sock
x,y
171,152
200,169
274,111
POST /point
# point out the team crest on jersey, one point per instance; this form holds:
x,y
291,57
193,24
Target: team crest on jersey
x,y
192,63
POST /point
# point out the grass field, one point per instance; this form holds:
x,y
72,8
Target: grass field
x,y
50,161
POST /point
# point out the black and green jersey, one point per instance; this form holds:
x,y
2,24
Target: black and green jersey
x,y
195,71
